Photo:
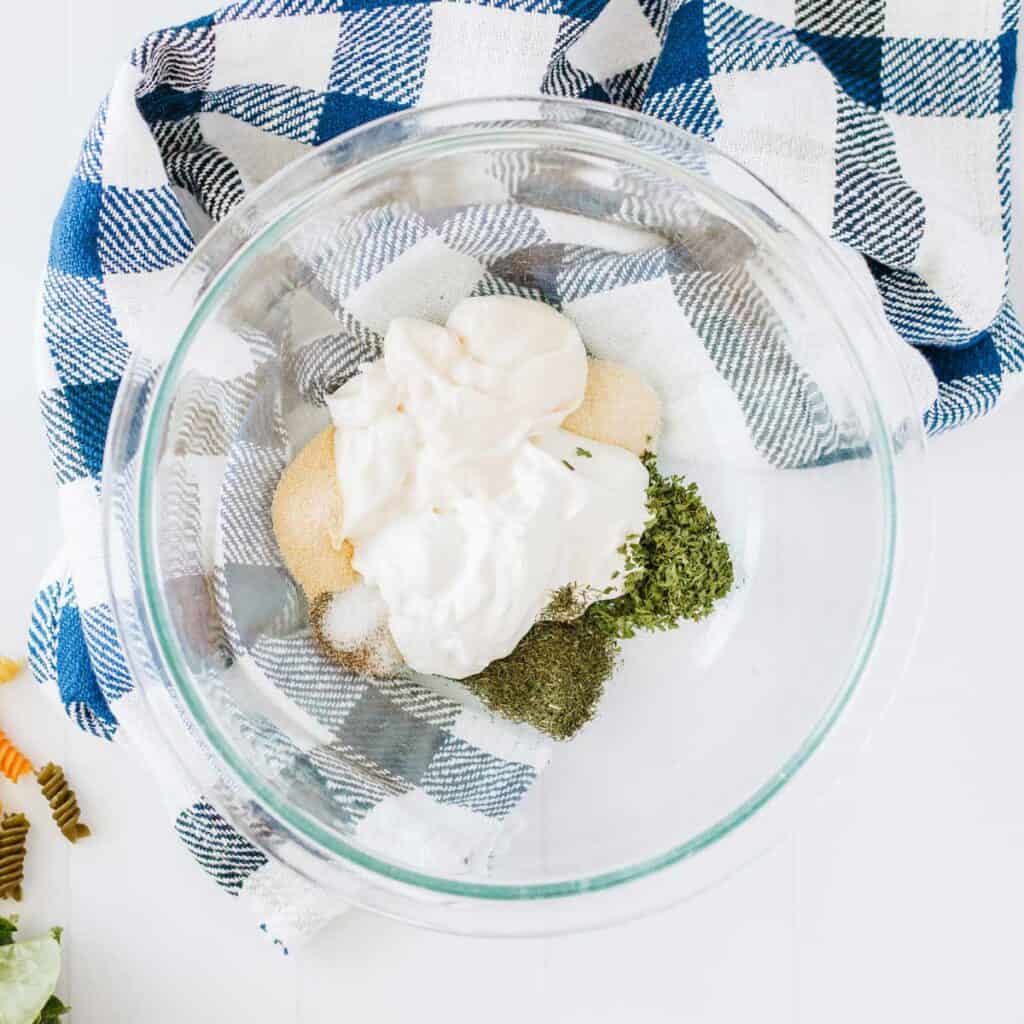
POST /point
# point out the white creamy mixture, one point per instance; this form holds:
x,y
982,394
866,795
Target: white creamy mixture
x,y
455,489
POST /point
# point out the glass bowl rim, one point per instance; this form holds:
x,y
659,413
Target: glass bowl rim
x,y
466,115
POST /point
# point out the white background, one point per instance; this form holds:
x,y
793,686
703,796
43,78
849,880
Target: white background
x,y
902,901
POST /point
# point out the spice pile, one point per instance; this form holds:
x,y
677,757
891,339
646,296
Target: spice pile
x,y
553,679
350,628
677,569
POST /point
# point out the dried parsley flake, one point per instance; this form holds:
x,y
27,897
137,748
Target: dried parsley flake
x,y
676,570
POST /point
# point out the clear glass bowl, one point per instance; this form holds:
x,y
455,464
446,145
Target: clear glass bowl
x,y
784,399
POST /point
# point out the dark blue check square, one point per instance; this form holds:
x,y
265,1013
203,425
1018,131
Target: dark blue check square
x,y
89,407
74,241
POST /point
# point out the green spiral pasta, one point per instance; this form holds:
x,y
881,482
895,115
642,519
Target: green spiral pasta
x,y
13,832
63,802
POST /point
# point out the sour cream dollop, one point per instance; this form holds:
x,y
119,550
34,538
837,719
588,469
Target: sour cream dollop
x,y
466,503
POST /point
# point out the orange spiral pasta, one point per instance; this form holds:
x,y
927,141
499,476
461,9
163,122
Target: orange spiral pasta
x,y
13,763
9,668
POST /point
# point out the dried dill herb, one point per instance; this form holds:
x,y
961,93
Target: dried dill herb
x,y
583,453
676,570
567,603
553,679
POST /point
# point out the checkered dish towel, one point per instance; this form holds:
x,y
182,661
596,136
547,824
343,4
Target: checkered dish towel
x,y
887,122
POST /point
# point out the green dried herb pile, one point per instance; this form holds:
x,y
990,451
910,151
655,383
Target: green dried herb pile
x,y
553,679
677,570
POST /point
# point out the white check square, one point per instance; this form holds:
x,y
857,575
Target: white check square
x,y
486,51
426,281
781,124
946,19
961,253
619,38
83,540
133,159
278,51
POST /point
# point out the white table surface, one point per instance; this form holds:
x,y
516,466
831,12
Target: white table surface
x,y
902,901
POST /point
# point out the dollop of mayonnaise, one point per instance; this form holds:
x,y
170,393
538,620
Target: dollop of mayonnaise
x,y
466,503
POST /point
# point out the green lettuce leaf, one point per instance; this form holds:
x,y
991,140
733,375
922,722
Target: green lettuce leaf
x,y
53,1009
28,978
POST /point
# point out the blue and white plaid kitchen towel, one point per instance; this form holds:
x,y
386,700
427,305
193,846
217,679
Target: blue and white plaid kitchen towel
x,y
887,122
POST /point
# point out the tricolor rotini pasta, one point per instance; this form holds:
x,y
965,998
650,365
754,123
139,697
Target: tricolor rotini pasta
x,y
13,763
13,832
63,802
9,668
